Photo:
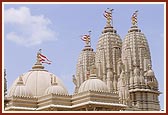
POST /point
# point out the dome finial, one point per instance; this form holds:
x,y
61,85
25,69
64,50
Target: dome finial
x,y
20,81
86,38
38,57
41,59
38,64
108,16
134,18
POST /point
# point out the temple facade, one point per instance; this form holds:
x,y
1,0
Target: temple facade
x,y
118,76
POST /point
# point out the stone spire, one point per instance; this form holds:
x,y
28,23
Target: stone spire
x,y
136,56
84,61
108,52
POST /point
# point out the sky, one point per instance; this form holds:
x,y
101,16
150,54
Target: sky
x,y
56,29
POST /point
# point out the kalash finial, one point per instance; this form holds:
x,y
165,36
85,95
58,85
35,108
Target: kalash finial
x,y
41,59
38,57
134,18
108,16
86,38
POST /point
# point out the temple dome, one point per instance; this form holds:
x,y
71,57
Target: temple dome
x,y
20,89
93,84
37,81
56,89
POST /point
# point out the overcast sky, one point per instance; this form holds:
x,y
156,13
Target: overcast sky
x,y
57,28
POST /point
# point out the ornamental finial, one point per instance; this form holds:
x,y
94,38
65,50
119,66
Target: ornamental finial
x,y
108,15
38,56
86,38
134,18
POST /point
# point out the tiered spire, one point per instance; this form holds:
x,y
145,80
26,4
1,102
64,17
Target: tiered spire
x,y
84,61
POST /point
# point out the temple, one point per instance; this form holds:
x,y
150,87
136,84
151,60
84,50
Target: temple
x,y
117,76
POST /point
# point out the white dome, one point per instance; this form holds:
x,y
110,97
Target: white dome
x,y
38,80
93,84
56,89
19,89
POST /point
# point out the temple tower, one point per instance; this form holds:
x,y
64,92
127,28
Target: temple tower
x,y
108,53
86,57
140,78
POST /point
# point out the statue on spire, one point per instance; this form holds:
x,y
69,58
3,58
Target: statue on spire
x,y
86,38
108,16
134,18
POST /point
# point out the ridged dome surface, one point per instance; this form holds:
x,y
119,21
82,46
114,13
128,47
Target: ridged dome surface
x,y
20,90
93,84
56,89
37,81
